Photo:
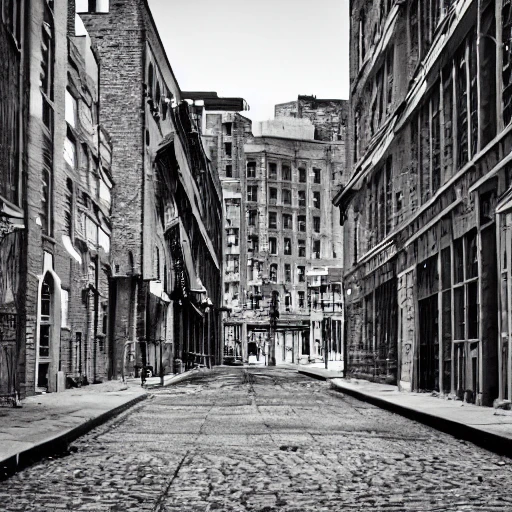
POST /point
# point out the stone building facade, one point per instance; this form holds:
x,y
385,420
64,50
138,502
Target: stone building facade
x,y
54,260
166,236
426,207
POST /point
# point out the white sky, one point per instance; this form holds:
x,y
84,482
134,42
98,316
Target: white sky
x,y
266,51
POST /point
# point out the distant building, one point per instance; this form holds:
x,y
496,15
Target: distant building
x,y
329,117
295,247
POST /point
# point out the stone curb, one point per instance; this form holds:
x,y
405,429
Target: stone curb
x,y
488,440
177,378
60,442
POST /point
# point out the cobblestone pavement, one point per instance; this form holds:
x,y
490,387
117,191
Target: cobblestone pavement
x,y
262,440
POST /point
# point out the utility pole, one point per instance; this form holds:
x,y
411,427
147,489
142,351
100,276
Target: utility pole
x,y
274,315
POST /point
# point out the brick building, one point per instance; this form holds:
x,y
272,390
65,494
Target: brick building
x,y
166,236
224,131
426,208
55,202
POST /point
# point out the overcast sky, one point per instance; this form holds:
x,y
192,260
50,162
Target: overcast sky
x,y
266,51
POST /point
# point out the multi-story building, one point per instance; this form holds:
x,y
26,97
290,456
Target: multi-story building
x,y
224,131
54,253
292,253
426,208
166,212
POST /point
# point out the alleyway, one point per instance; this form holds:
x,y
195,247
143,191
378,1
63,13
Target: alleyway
x,y
262,440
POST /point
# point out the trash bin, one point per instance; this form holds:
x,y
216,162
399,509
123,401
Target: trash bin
x,y
178,366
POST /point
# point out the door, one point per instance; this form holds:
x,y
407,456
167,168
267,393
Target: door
x,y
428,365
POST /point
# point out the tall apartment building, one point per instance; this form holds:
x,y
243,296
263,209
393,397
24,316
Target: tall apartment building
x,y
427,206
286,178
55,202
166,211
224,132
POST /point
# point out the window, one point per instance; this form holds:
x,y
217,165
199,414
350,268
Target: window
x,y
251,169
301,274
45,330
272,220
229,171
288,302
316,199
272,195
272,245
302,199
316,175
316,224
98,6
286,172
252,193
273,273
253,215
316,249
71,105
287,221
301,221
70,150
288,273
272,171
228,148
302,175
287,247
286,196
227,128
232,237
302,248
302,299
68,213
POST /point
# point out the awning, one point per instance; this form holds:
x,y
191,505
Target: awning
x,y
66,241
156,288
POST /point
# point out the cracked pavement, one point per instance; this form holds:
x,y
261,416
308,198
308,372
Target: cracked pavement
x,y
262,439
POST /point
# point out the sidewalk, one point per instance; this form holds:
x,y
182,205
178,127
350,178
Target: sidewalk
x,y
46,424
484,426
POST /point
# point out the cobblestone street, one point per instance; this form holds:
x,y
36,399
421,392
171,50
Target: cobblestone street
x,y
262,440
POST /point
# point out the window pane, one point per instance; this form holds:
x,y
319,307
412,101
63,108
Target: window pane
x,y
473,310
459,312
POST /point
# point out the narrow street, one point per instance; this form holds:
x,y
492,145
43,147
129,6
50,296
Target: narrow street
x,y
262,440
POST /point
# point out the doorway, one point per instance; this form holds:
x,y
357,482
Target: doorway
x,y
428,364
